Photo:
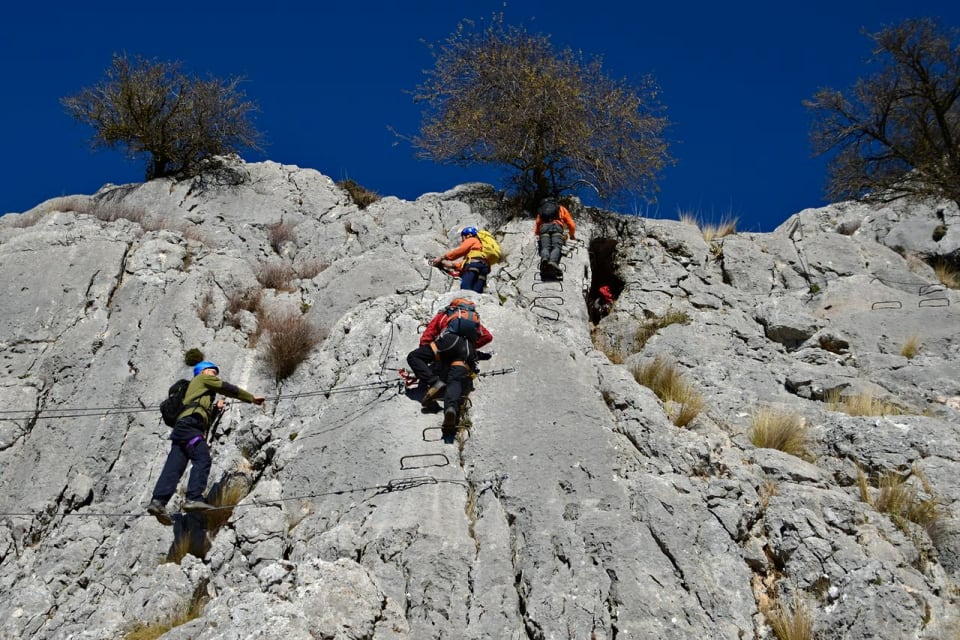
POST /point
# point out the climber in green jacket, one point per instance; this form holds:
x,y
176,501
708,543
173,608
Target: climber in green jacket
x,y
189,440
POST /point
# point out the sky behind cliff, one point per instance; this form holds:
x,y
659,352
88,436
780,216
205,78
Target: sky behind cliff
x,y
330,80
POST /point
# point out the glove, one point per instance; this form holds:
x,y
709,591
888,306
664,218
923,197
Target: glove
x,y
483,355
475,366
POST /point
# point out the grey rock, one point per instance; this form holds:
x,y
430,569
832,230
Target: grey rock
x,y
569,505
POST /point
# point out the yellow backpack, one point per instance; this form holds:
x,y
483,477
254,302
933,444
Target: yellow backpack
x,y
491,248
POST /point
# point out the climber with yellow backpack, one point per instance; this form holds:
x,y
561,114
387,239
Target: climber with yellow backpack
x,y
479,250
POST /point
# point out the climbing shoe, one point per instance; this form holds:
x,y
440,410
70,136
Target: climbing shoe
x,y
432,392
159,511
449,418
196,505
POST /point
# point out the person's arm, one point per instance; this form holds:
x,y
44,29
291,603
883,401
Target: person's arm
x,y
460,251
215,384
484,338
568,220
536,226
432,329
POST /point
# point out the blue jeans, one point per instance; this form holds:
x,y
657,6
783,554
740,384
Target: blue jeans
x,y
473,275
188,445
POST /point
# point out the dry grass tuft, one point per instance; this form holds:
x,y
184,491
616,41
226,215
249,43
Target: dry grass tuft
x,y
280,233
767,491
900,499
309,269
275,275
863,404
725,228
684,402
361,196
245,300
709,231
603,343
947,274
790,622
179,549
685,217
154,630
290,340
911,347
224,497
649,327
787,432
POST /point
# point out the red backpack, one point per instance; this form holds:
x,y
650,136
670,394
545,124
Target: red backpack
x,y
463,319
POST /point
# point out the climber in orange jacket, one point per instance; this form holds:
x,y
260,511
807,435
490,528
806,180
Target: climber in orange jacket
x,y
474,270
554,223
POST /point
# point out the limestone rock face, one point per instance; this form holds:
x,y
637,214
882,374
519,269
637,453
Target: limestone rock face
x,y
569,505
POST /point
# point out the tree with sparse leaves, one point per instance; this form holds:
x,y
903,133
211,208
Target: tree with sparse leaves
x,y
502,96
153,109
897,132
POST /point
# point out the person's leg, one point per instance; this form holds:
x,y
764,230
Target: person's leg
x,y
421,362
456,383
468,277
543,243
173,468
556,245
483,270
199,454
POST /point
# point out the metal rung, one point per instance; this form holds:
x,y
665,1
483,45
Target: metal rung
x,y
538,304
927,289
540,285
446,460
440,429
934,302
887,304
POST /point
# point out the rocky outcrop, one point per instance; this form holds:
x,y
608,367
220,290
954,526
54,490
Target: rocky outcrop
x,y
570,505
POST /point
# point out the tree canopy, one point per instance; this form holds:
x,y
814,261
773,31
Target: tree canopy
x,y
896,133
553,120
153,109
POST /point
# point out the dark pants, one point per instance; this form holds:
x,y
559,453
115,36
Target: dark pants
x,y
473,275
551,242
188,445
454,366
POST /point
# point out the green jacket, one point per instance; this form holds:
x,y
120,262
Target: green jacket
x,y
203,390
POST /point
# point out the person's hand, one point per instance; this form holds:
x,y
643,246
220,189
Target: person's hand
x,y
220,404
258,400
483,355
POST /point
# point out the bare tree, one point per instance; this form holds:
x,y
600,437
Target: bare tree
x,y
552,119
153,109
898,132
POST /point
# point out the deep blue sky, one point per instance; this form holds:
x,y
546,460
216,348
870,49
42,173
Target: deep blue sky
x,y
330,78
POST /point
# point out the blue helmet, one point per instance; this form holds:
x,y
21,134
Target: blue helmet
x,y
468,231
206,364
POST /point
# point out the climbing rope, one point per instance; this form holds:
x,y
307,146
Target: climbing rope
x,y
393,485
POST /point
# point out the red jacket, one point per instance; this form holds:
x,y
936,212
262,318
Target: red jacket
x,y
439,322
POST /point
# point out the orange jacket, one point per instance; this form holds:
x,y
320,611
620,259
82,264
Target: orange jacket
x,y
563,218
471,247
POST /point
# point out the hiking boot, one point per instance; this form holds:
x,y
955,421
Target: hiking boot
x,y
159,511
449,418
196,505
432,392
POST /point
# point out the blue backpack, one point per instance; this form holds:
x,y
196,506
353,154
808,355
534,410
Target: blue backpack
x,y
463,319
